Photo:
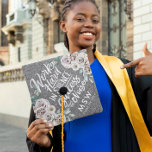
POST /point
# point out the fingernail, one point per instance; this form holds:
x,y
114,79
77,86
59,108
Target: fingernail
x,y
122,67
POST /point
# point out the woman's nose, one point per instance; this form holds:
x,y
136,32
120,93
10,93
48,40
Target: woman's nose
x,y
88,23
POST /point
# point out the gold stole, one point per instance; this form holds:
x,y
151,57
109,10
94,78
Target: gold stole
x,y
123,86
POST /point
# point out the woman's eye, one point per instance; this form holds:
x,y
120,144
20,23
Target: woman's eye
x,y
80,19
95,21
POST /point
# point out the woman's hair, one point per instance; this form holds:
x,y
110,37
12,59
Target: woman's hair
x,y
68,6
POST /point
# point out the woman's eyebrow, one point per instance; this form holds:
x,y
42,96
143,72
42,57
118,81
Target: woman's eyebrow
x,y
83,14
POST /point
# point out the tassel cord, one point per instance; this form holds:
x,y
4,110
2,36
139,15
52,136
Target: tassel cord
x,y
62,130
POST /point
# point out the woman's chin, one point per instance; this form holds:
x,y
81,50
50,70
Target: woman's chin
x,y
86,46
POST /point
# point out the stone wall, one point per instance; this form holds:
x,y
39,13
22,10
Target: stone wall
x,y
38,37
142,26
26,46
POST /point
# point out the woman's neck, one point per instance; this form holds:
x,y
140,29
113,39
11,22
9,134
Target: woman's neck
x,y
91,56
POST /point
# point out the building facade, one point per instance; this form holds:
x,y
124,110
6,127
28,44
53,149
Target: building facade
x,y
36,34
125,24
33,33
18,31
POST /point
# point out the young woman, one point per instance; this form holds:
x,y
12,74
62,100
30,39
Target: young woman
x,y
114,129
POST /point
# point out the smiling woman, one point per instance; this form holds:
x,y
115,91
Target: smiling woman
x,y
82,27
117,128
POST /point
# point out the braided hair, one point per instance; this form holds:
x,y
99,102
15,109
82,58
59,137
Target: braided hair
x,y
68,6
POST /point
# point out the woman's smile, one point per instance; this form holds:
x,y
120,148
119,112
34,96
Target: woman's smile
x,y
88,36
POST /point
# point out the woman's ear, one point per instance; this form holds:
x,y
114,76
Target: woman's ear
x,y
63,26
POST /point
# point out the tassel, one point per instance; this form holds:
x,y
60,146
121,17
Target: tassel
x,y
62,130
52,137
62,91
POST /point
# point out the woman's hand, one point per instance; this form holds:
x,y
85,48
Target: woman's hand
x,y
37,132
143,65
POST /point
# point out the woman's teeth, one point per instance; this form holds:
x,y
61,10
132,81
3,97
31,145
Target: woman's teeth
x,y
88,34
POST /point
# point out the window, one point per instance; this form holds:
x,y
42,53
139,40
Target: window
x,y
117,28
19,54
58,34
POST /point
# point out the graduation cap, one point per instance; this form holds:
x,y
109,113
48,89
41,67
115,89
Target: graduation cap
x,y
62,89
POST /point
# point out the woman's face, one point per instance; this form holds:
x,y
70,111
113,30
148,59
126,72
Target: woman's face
x,y
82,26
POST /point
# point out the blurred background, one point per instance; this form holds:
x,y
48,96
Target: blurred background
x,y
29,31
